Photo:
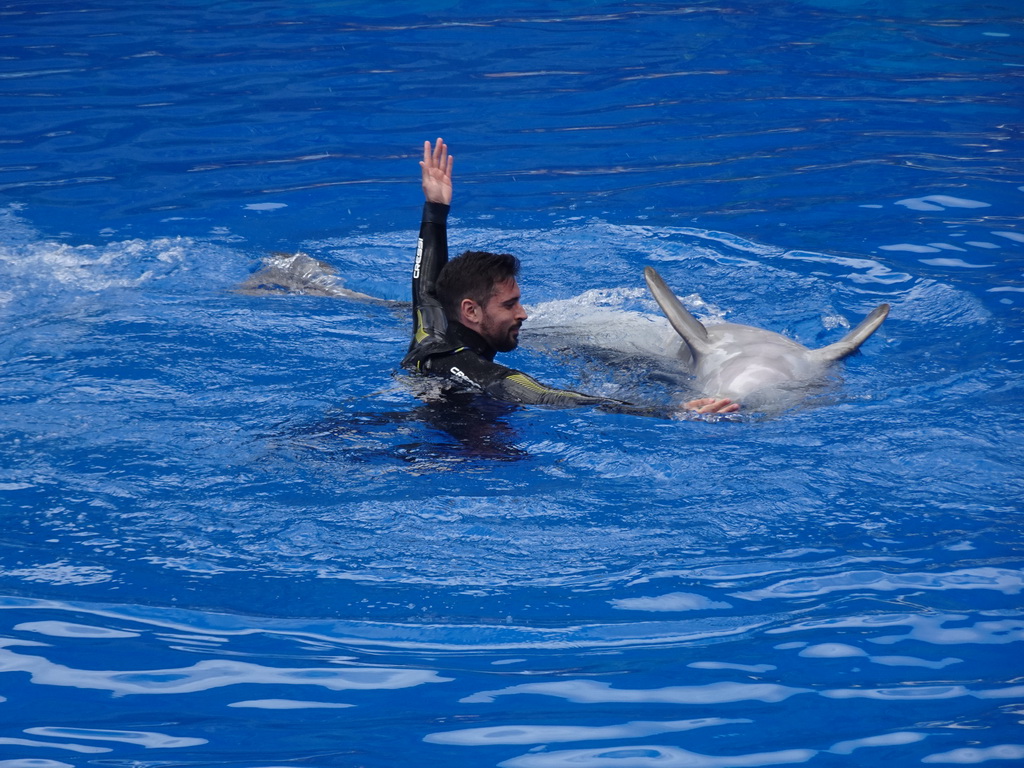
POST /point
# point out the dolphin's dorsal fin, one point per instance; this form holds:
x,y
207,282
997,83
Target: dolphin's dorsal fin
x,y
849,343
694,334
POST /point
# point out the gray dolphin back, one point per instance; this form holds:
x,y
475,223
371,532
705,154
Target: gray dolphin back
x,y
693,333
851,341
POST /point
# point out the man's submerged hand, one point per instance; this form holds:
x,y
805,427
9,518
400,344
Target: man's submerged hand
x,y
712,405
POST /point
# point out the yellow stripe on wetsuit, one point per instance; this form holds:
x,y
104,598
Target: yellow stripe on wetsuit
x,y
532,384
421,332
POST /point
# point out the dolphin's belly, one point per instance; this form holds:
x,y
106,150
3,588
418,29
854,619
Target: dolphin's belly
x,y
744,360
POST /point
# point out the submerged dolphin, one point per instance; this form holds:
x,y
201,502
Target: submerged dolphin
x,y
738,361
302,274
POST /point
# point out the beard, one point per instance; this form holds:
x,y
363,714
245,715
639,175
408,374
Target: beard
x,y
502,339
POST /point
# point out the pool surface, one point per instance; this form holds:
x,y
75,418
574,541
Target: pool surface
x,y
235,534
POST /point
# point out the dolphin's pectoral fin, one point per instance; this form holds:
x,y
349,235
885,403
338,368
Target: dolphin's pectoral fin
x,y
851,341
686,325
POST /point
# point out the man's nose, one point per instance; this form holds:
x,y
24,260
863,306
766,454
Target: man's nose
x,y
521,313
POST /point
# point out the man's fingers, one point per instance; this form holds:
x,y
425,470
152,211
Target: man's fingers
x,y
725,405
712,405
693,405
436,157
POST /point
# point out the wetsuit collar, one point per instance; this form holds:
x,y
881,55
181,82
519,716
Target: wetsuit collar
x,y
467,337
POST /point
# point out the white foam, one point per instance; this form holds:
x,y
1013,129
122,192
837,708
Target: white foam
x,y
1015,236
83,748
265,206
61,573
908,247
940,203
547,734
69,629
903,693
597,692
148,739
955,263
211,673
15,486
885,740
913,661
652,756
832,651
1005,580
974,755
752,668
288,704
963,546
674,601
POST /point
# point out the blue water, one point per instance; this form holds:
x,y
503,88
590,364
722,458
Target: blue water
x,y
233,535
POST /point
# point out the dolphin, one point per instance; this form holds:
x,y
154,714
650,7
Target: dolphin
x,y
300,273
747,364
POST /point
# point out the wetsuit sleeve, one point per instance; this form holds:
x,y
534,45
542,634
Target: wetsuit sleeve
x,y
475,372
502,383
429,322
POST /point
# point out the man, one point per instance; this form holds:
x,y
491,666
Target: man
x,y
468,309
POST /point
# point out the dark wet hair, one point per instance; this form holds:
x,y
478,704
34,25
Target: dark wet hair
x,y
473,275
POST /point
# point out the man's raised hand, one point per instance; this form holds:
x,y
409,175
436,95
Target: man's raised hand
x,y
437,173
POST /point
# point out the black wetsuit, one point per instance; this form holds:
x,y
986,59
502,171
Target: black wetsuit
x,y
446,348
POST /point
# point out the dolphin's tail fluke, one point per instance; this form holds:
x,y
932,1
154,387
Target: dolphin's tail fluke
x,y
851,341
694,334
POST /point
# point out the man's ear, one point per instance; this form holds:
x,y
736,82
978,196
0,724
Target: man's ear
x,y
470,312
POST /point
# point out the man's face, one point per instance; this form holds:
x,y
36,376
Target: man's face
x,y
502,316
